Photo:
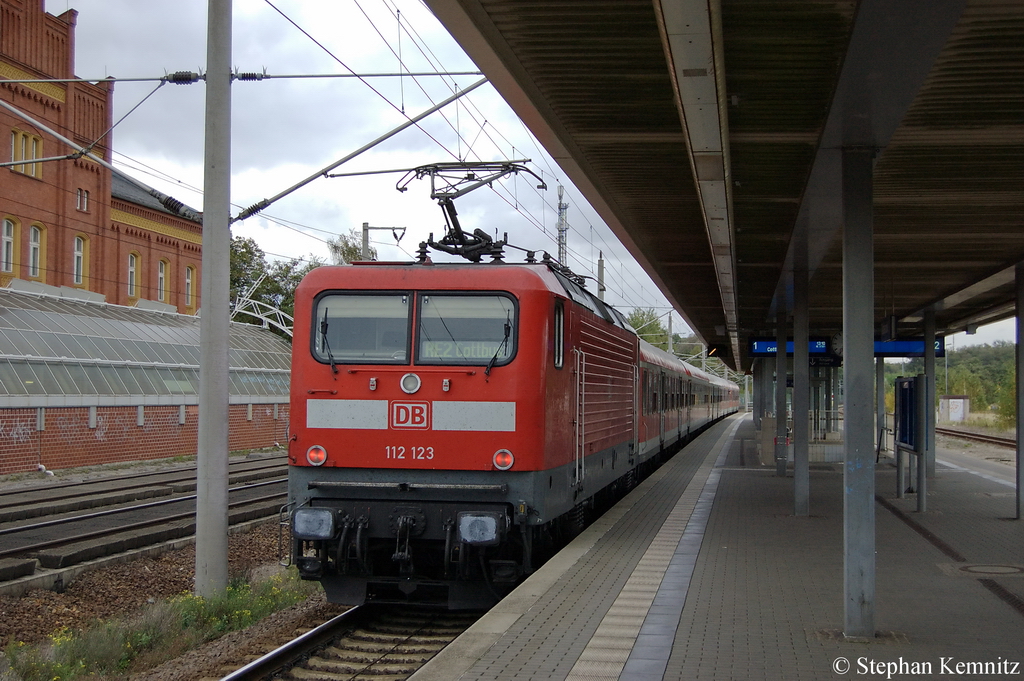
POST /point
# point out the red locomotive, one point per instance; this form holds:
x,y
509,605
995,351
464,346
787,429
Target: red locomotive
x,y
452,425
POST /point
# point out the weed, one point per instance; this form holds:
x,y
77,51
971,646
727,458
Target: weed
x,y
157,633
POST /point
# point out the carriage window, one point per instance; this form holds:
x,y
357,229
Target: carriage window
x,y
466,329
559,336
362,329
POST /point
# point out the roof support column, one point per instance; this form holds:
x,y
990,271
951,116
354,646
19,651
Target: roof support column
x,y
767,389
858,397
781,450
1020,387
757,369
880,401
929,381
801,384
829,382
816,401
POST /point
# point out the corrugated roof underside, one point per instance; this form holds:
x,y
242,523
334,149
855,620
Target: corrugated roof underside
x,y
949,203
781,62
601,69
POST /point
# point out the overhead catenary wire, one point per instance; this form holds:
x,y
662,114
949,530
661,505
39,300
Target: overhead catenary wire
x,y
252,210
458,133
485,130
190,77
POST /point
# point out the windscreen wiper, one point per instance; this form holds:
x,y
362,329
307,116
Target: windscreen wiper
x,y
327,345
503,344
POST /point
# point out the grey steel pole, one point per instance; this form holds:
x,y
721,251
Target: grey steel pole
x,y
1020,387
781,451
880,401
212,457
830,403
758,395
929,379
366,241
801,387
923,407
858,397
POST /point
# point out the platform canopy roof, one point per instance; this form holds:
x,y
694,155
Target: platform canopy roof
x,y
708,134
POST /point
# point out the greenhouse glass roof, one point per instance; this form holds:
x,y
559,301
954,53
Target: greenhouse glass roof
x,y
57,351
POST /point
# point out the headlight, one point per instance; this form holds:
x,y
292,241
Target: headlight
x,y
410,383
313,523
503,459
480,529
316,455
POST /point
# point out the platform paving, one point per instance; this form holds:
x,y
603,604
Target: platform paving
x,y
703,572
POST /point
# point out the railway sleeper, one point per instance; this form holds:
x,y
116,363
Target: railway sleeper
x,y
56,506
90,549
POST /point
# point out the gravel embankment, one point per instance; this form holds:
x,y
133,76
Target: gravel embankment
x,y
123,589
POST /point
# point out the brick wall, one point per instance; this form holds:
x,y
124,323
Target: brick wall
x,y
67,441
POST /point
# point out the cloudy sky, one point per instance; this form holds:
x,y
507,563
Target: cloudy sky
x,y
285,130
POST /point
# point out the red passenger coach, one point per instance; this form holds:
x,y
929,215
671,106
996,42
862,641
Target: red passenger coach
x,y
452,425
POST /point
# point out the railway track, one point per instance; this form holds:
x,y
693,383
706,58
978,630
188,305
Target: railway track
x,y
61,525
368,642
977,437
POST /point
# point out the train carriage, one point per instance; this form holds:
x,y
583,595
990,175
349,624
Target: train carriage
x,y
453,424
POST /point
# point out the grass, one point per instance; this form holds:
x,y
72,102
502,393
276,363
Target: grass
x,y
117,647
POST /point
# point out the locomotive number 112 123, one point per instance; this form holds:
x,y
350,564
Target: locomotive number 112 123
x,y
399,452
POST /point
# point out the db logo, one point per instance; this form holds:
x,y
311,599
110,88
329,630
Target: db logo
x,y
410,414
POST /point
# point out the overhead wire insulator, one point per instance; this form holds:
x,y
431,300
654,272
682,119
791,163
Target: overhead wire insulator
x,y
250,76
182,78
252,210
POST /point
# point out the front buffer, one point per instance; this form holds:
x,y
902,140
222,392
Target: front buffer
x,y
458,543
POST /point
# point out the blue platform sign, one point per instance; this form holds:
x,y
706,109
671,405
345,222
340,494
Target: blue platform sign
x,y
908,347
818,347
765,347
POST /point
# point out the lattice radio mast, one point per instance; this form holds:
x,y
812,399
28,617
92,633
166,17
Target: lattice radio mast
x,y
563,228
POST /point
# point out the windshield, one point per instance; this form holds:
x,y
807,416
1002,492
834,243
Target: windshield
x,y
466,329
362,329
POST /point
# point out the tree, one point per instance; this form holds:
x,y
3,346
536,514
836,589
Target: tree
x,y
647,324
248,264
687,346
279,278
284,277
348,247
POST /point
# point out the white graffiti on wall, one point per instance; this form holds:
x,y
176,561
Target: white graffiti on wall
x,y
18,432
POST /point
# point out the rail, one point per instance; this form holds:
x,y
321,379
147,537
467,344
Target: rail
x,y
978,437
285,656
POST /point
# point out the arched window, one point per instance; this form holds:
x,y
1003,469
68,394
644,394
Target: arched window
x,y
161,280
26,147
79,261
35,248
7,250
189,276
133,265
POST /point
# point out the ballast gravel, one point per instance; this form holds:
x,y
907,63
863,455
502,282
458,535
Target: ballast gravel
x,y
123,589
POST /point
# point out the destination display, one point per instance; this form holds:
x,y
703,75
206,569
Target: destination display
x,y
765,347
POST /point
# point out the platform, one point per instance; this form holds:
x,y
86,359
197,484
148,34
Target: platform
x,y
703,572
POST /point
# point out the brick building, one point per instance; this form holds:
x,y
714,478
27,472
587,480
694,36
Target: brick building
x,y
99,282
73,222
